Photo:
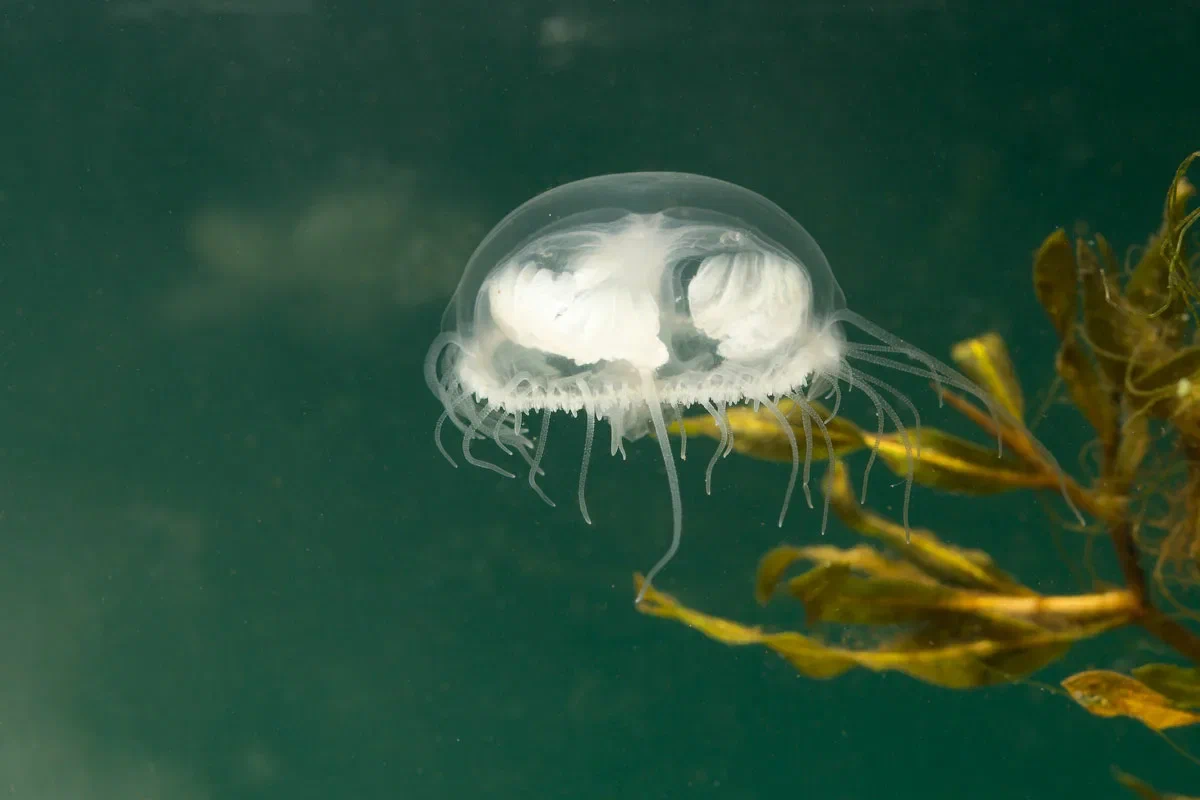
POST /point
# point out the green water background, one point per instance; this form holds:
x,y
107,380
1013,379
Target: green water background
x,y
233,564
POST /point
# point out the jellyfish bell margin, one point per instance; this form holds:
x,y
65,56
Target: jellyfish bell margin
x,y
620,296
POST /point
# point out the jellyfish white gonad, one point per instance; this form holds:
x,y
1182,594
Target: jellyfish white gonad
x,y
621,297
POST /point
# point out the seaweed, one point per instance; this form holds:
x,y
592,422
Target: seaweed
x,y
1128,357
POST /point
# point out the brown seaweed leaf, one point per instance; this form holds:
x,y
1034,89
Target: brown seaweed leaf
x,y
1089,392
947,564
1108,329
942,661
1181,685
862,558
985,359
1055,282
968,624
834,592
1131,451
758,434
863,587
1162,285
1158,388
939,460
1144,790
1149,287
1111,694
946,462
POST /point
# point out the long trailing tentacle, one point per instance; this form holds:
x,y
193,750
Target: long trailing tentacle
x,y
902,397
718,416
881,403
834,390
535,467
811,413
786,427
664,444
473,433
851,376
589,411
445,386
437,437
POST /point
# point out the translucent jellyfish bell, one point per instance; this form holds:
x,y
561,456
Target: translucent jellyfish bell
x,y
621,296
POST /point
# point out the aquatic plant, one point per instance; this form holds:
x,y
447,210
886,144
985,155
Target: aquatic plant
x,y
1128,358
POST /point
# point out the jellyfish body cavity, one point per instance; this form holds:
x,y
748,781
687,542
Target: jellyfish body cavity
x,y
622,297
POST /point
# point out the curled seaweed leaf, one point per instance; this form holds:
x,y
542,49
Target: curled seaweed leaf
x,y
951,658
956,465
757,432
1104,322
945,563
1054,280
985,360
1111,694
1092,395
1156,388
1177,223
1181,685
1144,790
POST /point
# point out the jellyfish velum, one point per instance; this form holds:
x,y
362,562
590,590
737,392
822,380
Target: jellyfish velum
x,y
628,298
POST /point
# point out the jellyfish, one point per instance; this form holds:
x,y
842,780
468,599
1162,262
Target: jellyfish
x,y
624,298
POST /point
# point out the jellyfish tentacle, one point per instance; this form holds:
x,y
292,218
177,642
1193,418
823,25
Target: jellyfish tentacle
x,y
454,405
513,436
835,390
535,467
881,403
437,350
437,437
810,412
942,373
499,433
677,411
723,425
851,377
786,427
524,446
664,444
903,398
472,434
589,411
617,445
729,444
